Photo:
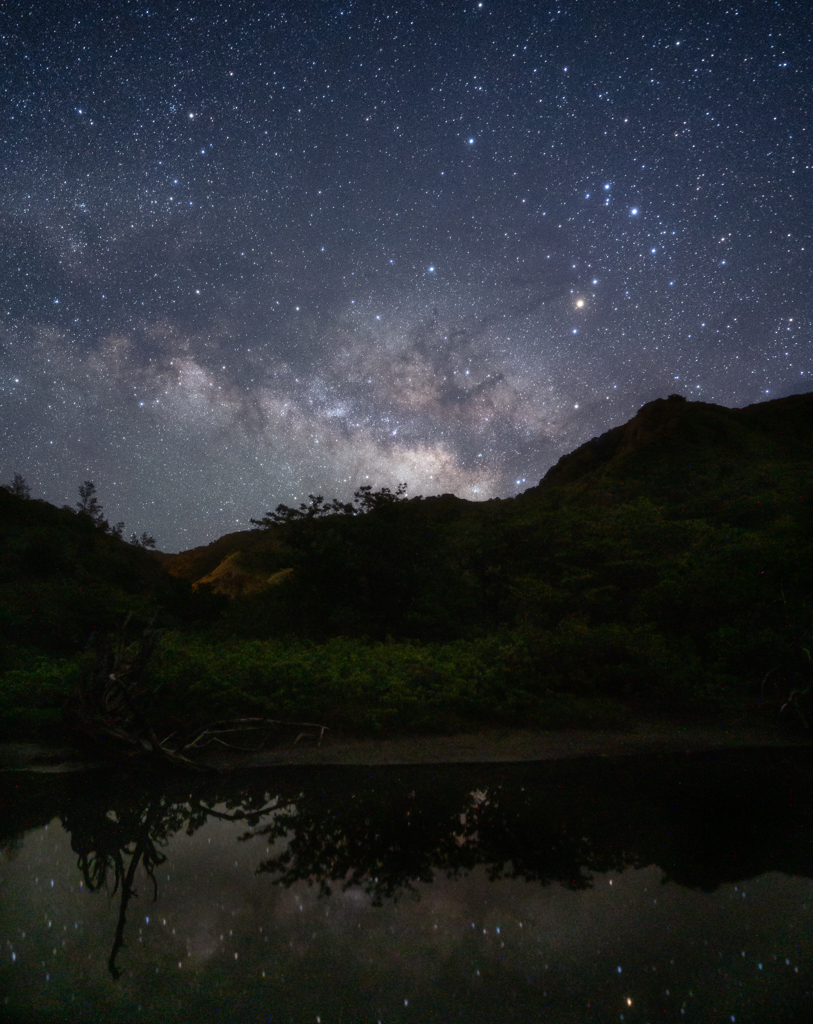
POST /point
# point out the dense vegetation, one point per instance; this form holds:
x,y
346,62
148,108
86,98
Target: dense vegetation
x,y
666,564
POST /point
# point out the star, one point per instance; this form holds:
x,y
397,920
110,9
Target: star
x,y
308,225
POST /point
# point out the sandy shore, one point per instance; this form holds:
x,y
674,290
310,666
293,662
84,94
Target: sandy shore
x,y
465,748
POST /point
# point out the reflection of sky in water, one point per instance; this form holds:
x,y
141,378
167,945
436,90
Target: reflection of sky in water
x,y
222,942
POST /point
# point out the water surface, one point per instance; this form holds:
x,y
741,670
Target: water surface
x,y
658,887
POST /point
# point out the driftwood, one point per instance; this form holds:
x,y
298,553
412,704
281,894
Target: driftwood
x,y
112,704
212,733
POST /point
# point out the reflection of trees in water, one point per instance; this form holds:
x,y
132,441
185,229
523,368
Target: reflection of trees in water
x,y
704,819
384,838
106,853
113,836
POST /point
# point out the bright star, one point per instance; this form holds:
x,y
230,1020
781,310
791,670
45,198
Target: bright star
x,y
634,211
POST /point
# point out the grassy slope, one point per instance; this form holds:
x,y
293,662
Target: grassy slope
x,y
667,561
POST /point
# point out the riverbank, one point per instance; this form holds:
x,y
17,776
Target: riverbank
x,y
497,745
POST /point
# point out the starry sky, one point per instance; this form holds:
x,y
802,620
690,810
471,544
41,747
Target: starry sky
x,y
250,251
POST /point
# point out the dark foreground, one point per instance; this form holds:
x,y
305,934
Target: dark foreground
x,y
496,745
666,885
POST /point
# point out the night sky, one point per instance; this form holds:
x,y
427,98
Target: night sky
x,y
250,251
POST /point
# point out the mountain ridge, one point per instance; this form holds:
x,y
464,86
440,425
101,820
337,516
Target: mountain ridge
x,y
672,444
668,560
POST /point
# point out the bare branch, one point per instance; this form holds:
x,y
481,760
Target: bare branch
x,y
112,703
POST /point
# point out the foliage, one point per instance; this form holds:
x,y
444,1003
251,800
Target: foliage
x,y
365,499
62,579
31,696
654,567
359,687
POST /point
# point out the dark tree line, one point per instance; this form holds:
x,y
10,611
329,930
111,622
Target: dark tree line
x,y
87,506
365,499
18,487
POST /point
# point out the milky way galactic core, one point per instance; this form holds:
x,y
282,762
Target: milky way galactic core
x,y
252,251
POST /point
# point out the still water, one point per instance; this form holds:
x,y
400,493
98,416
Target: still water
x,y
667,887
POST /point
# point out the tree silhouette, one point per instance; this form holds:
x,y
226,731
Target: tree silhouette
x,y
88,505
365,499
18,487
144,541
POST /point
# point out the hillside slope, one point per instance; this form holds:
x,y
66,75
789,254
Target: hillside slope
x,y
62,578
704,456
670,559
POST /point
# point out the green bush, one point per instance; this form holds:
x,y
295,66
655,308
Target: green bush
x,y
32,697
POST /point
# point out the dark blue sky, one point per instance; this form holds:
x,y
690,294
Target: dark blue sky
x,y
256,250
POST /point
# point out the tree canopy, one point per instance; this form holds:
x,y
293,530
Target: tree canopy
x,y
365,499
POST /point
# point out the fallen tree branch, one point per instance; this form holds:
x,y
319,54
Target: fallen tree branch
x,y
111,701
215,732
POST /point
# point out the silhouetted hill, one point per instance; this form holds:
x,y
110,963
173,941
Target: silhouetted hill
x,y
673,429
669,559
741,466
243,561
62,578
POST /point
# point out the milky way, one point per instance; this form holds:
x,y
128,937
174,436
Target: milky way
x,y
256,250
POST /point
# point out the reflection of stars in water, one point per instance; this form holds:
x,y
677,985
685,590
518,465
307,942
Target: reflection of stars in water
x,y
460,925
